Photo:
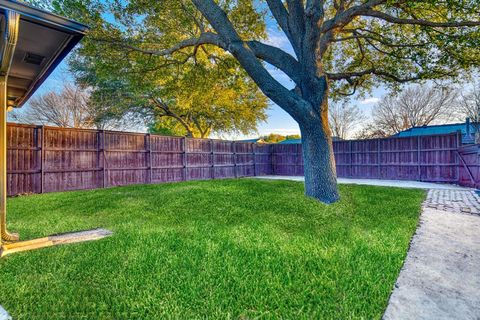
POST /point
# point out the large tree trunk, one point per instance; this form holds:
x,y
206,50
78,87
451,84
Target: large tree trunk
x,y
317,148
319,162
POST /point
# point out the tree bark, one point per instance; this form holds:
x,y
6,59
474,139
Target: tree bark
x,y
319,162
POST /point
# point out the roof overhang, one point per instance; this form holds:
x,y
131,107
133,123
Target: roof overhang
x,y
42,41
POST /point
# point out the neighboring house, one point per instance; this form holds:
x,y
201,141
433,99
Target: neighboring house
x,y
291,141
467,130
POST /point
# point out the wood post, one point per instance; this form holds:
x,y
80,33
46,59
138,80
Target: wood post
x,y
148,145
184,158
234,146
459,144
212,160
104,161
41,147
351,157
419,165
378,158
254,160
274,158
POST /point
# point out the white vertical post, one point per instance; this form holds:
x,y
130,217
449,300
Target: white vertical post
x,y
10,36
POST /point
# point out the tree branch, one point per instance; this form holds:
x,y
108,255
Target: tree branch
x,y
280,14
273,55
296,23
349,75
287,20
204,38
396,20
341,19
357,36
246,57
167,112
278,58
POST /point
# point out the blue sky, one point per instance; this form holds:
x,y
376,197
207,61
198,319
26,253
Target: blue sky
x,y
278,120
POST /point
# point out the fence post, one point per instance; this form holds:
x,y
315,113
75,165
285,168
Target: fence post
x,y
254,160
212,159
148,142
459,144
184,158
272,159
299,156
40,145
419,165
99,153
350,151
104,161
378,158
234,146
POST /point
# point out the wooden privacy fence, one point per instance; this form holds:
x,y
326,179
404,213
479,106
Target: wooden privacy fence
x,y
423,158
48,159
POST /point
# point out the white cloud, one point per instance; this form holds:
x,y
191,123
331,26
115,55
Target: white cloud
x,y
371,100
277,40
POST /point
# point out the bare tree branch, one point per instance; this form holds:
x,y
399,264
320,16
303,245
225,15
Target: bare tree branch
x,y
343,118
416,106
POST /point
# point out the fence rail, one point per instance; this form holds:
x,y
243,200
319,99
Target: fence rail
x,y
48,159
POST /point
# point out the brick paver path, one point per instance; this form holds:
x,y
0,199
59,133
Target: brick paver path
x,y
459,201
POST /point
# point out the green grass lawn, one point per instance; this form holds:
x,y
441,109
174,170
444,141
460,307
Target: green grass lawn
x,y
219,249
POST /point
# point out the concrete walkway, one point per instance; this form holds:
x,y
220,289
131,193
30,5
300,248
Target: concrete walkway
x,y
441,275
376,182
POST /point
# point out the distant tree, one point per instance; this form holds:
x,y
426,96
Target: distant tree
x,y
72,107
367,132
469,107
273,138
413,107
343,118
167,127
